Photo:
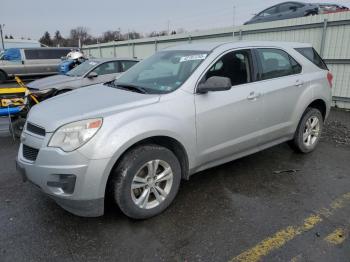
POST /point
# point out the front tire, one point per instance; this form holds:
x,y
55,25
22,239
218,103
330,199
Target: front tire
x,y
146,181
308,132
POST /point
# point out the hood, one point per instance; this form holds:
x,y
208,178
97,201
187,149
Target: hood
x,y
51,81
89,102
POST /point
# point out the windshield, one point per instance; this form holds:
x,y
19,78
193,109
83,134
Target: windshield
x,y
163,72
82,69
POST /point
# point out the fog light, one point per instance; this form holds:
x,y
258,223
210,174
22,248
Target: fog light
x,y
65,182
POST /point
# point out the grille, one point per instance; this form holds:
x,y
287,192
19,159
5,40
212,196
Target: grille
x,y
30,153
35,129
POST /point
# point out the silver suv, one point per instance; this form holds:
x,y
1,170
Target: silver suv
x,y
183,110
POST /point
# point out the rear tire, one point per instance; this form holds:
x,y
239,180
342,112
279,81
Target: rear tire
x,y
146,181
308,132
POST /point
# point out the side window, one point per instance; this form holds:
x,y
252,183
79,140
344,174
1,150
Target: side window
x,y
45,53
287,7
125,65
107,68
12,54
268,12
234,65
313,56
277,63
31,54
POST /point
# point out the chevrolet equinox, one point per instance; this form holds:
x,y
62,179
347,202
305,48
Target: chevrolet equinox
x,y
184,109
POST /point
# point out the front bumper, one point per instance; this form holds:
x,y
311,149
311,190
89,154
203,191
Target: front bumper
x,y
75,182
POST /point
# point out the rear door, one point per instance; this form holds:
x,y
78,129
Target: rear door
x,y
281,84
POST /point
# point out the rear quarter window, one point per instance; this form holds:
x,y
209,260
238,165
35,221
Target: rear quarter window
x,y
276,63
313,56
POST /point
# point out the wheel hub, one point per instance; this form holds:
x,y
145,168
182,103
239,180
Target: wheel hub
x,y
152,184
311,131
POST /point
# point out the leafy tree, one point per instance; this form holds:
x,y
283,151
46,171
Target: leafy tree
x,y
46,39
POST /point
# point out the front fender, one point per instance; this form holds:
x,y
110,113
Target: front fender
x,y
118,136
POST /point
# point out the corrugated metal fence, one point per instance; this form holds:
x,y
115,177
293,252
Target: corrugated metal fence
x,y
329,34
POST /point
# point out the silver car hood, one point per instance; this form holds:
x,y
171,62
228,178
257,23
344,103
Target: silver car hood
x,y
51,81
89,102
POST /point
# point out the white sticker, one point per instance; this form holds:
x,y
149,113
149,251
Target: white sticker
x,y
92,63
193,57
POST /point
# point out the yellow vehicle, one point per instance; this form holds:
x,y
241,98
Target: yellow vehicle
x,y
15,103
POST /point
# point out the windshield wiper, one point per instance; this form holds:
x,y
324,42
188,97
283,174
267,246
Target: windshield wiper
x,y
131,87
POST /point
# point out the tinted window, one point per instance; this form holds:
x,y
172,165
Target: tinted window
x,y
107,68
33,54
277,63
125,65
313,56
287,7
235,65
270,11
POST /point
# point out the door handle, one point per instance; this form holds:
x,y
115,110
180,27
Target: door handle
x,y
299,82
253,96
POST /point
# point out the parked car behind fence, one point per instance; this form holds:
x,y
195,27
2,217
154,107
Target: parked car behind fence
x,y
284,10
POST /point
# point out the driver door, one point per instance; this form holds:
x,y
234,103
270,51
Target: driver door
x,y
229,122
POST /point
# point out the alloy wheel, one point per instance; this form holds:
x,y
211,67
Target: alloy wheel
x,y
152,184
311,131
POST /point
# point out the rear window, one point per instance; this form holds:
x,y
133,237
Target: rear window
x,y
313,56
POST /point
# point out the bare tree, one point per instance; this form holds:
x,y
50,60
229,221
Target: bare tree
x,y
81,33
58,40
109,36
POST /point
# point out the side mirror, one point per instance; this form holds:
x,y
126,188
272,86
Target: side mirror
x,y
92,75
214,83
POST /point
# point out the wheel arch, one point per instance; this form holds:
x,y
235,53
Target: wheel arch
x,y
321,105
162,140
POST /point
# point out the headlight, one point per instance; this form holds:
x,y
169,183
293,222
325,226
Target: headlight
x,y
72,136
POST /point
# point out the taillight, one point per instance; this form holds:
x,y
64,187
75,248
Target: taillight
x,y
330,79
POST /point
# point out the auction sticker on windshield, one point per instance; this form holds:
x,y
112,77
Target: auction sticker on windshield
x,y
92,63
193,57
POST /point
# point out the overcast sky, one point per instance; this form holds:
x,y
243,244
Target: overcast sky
x,y
31,18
